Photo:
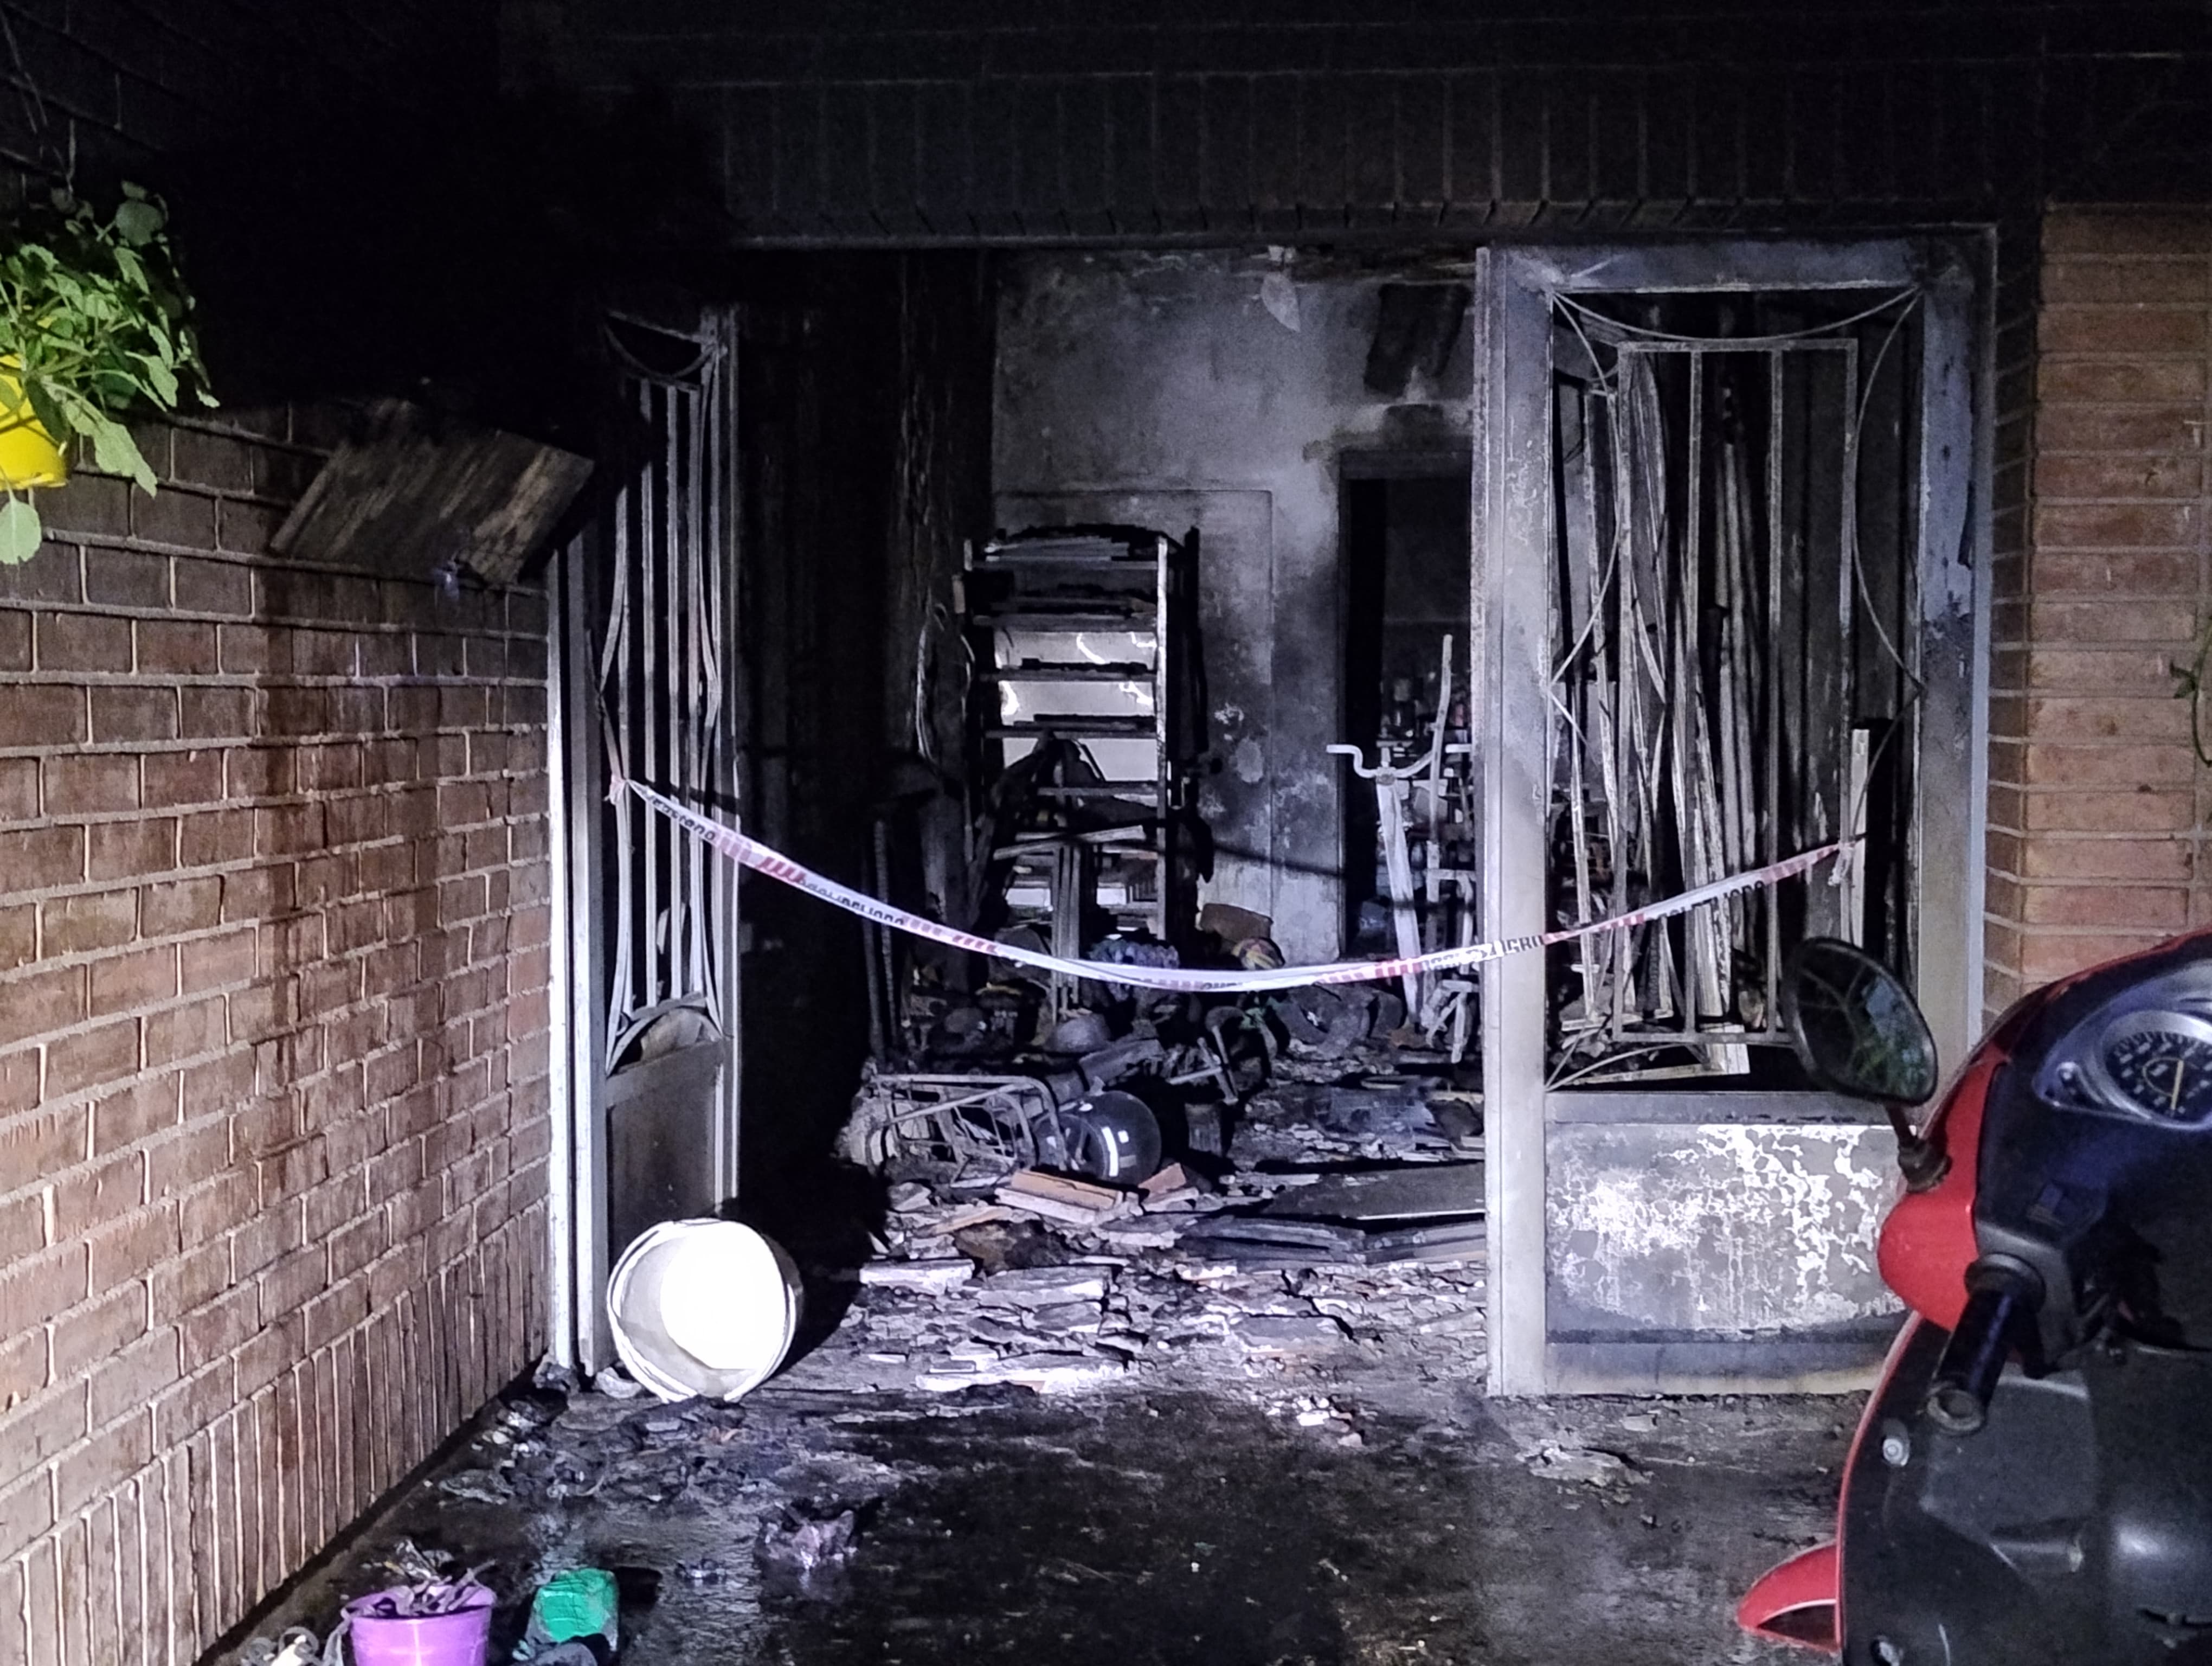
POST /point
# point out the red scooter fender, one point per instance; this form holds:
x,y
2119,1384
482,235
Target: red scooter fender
x,y
1802,1600
1926,1245
1797,1601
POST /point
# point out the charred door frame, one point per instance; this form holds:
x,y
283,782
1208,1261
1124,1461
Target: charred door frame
x,y
1512,542
582,855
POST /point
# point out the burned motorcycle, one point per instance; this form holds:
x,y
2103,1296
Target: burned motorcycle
x,y
2031,1480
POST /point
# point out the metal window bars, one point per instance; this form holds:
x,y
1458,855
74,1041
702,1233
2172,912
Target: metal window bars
x,y
1717,697
662,666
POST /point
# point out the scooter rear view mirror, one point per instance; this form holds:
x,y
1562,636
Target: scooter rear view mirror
x,y
1855,1026
1858,1031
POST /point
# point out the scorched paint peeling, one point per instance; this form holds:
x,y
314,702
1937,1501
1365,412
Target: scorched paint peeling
x,y
1730,1229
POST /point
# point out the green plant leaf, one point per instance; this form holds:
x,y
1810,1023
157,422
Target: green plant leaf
x,y
138,220
48,409
96,321
21,534
113,389
117,452
158,379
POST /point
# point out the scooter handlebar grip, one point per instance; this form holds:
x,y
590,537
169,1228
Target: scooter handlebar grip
x,y
1966,1374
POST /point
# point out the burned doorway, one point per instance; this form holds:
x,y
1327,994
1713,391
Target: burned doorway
x,y
1733,615
1410,817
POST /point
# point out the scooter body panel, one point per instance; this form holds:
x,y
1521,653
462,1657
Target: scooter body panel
x,y
2076,1524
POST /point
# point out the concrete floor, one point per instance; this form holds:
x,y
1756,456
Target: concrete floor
x,y
1141,1524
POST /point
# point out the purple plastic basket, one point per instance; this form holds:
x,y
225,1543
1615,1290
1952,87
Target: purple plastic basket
x,y
461,1637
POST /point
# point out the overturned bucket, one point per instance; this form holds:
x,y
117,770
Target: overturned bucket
x,y
702,1307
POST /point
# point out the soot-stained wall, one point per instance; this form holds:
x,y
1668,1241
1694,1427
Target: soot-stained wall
x,y
1225,391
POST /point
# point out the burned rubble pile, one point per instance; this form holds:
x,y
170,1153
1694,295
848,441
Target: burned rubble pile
x,y
1339,1229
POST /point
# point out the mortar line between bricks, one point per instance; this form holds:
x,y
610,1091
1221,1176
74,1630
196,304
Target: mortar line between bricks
x,y
215,427
255,801
252,865
208,743
157,680
2068,882
191,1062
2198,877
2118,354
157,613
208,490
279,801
75,957
258,560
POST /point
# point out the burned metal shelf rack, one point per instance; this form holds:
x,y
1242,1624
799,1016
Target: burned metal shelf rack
x,y
1077,649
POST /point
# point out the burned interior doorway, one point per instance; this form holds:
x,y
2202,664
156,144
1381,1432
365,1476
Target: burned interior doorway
x,y
1732,613
1410,819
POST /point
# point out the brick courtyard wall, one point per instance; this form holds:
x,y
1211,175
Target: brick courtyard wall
x,y
2098,805
273,1043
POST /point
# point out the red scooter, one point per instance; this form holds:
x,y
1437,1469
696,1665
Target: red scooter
x,y
2031,1481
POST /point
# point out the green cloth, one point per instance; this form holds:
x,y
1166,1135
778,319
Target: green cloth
x,y
578,1604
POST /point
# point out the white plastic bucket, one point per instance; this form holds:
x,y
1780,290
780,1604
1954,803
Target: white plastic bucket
x,y
702,1307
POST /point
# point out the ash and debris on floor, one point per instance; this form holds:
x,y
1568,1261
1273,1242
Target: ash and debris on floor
x,y
1235,1415
1240,1523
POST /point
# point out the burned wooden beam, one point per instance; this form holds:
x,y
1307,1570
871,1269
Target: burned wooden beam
x,y
409,481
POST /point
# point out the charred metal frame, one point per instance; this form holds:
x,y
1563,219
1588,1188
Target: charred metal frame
x,y
642,675
1731,800
1508,601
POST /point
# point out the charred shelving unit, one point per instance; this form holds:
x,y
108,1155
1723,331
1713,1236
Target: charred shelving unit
x,y
1080,723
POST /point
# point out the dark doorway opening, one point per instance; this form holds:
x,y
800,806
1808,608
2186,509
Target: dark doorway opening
x,y
1407,554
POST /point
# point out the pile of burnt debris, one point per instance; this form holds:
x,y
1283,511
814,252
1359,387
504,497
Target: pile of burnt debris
x,y
1336,1223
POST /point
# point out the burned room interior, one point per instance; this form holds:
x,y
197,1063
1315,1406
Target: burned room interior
x,y
938,831
1119,609
1200,696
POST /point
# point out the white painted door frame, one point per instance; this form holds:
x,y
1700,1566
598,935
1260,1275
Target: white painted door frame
x,y
675,683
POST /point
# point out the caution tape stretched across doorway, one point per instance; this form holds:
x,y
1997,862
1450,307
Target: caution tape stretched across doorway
x,y
761,858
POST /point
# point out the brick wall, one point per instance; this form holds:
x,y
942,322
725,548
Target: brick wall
x,y
1010,120
2099,805
119,83
273,1043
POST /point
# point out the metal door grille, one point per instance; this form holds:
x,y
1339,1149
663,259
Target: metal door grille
x,y
662,666
1725,685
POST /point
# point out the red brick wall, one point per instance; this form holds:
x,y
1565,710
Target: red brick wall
x,y
273,1043
2099,805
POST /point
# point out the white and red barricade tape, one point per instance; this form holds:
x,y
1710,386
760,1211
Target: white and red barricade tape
x,y
751,854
